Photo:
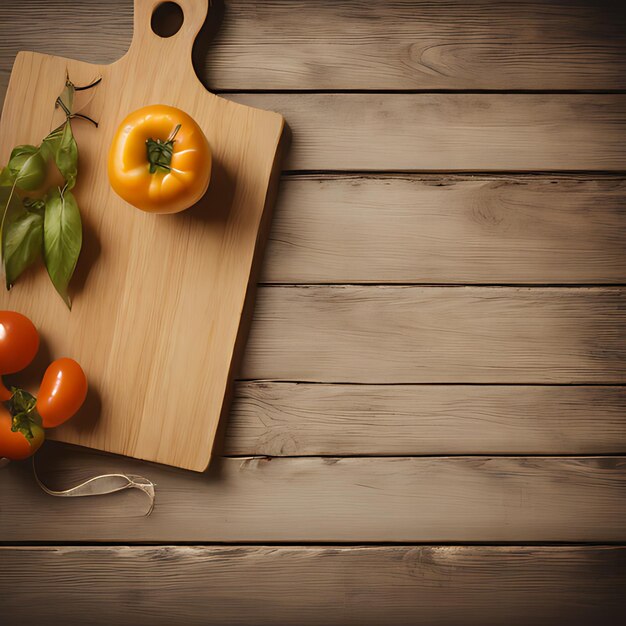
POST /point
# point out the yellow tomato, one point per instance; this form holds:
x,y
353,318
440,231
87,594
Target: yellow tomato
x,y
160,160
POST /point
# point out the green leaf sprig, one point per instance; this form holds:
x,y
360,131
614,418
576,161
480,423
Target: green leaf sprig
x,y
43,222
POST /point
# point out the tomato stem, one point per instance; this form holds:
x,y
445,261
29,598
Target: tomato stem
x,y
23,409
160,152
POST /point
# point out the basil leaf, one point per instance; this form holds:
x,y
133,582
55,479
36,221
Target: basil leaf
x,y
27,167
62,239
9,204
66,156
51,143
22,241
6,180
66,99
60,145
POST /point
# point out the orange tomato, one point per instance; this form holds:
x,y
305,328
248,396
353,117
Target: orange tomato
x,y
160,160
19,342
63,391
15,445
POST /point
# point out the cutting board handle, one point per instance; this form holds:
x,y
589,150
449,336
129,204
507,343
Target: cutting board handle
x,y
172,49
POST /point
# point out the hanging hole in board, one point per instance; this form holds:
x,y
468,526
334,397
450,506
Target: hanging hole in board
x,y
167,19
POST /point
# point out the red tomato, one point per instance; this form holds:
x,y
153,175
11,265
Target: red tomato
x,y
62,392
19,342
16,446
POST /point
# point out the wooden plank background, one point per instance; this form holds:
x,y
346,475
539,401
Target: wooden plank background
x,y
437,352
357,44
305,585
329,499
299,419
466,132
392,334
434,228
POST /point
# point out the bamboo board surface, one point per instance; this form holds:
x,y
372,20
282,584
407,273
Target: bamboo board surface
x,y
159,300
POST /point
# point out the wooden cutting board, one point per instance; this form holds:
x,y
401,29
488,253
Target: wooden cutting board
x,y
159,301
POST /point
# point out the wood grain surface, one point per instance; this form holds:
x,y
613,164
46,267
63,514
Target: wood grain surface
x,y
451,132
358,586
299,419
407,334
333,499
355,44
484,44
448,229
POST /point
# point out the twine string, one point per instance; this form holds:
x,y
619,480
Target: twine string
x,y
99,485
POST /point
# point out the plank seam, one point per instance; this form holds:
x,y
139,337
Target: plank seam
x,y
591,175
459,455
450,285
367,92
460,172
320,544
414,384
